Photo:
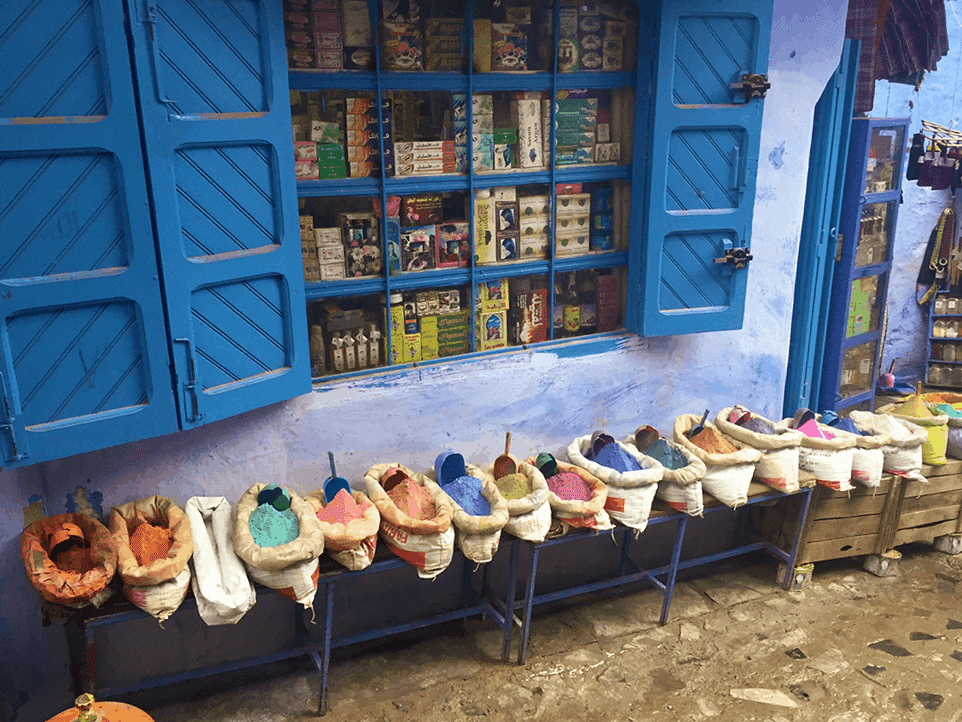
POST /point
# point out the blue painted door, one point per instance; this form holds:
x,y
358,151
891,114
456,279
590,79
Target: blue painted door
x,y
220,161
83,351
703,162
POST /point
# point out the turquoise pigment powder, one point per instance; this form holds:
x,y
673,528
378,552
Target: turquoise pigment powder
x,y
466,493
271,528
667,456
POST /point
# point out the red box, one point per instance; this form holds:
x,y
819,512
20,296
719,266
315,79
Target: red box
x,y
606,295
567,189
529,317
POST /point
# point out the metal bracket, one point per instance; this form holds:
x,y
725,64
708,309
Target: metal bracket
x,y
738,256
190,387
752,85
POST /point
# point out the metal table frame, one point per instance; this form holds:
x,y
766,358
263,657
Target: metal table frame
x,y
629,573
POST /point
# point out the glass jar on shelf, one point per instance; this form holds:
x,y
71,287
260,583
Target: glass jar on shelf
x,y
935,375
936,354
939,308
949,352
952,329
952,376
952,305
938,329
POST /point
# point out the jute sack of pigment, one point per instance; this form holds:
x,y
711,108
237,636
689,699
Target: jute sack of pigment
x,y
727,476
953,445
629,493
680,488
477,537
351,544
289,568
221,586
867,456
427,544
577,514
778,467
159,586
829,460
70,588
529,518
902,455
937,432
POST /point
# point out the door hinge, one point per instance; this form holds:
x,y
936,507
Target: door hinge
x,y
752,85
190,386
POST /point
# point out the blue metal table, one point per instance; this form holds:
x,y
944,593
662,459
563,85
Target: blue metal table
x,y
744,542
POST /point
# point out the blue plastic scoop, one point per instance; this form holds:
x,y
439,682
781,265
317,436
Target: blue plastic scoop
x,y
334,483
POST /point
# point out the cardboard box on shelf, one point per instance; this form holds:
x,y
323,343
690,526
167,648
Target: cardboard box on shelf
x,y
485,250
509,47
531,226
417,248
569,224
482,45
492,295
574,204
305,170
529,317
534,247
606,293
453,244
492,330
534,205
571,244
527,117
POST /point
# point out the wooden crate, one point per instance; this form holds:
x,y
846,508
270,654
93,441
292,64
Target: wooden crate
x,y
869,521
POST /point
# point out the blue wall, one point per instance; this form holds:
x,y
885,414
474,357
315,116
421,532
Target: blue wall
x,y
937,100
545,398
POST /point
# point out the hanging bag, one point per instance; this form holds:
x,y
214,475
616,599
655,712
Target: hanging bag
x,y
727,476
221,586
427,544
289,568
159,586
778,467
629,493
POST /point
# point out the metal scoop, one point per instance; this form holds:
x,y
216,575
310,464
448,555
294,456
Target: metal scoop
x,y
645,436
697,428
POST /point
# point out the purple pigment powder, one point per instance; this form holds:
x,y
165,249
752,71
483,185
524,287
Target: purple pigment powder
x,y
614,457
569,486
759,426
667,456
466,493
271,528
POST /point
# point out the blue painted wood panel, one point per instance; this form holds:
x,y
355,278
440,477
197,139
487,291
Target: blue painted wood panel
x,y
703,163
83,353
220,162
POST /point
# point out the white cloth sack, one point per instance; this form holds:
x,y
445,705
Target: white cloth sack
x,y
778,467
903,454
629,493
728,476
830,460
478,537
680,488
426,544
220,583
529,518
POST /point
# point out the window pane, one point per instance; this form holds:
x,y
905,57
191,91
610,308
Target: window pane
x,y
857,366
884,161
875,234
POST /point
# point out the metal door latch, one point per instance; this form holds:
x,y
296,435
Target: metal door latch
x,y
739,256
753,85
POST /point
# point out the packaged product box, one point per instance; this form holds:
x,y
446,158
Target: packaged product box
x,y
453,244
576,106
533,247
483,152
392,230
492,330
331,171
299,58
306,222
509,248
443,61
423,209
492,295
482,45
590,37
361,153
527,117
509,47
581,139
356,35
504,193
451,324
506,216
305,151
576,123
602,200
534,206
363,259
568,49
305,170
601,241
330,152
401,46
572,244
326,132
531,226
602,222
429,338
567,189
410,348
603,133
437,43
606,293
484,123
327,40
482,104
417,248
485,250
503,156
574,204
333,271
529,317
423,303
612,54
328,59
449,301
568,224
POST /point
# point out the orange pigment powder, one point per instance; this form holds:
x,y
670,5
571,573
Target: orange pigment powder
x,y
150,543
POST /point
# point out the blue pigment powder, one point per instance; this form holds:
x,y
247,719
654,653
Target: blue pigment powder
x,y
614,457
466,493
271,528
667,456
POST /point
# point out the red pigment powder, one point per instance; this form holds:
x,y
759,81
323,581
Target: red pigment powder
x,y
341,510
150,543
569,486
713,442
413,499
74,558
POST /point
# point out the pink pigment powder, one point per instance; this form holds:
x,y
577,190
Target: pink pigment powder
x,y
341,510
569,486
413,499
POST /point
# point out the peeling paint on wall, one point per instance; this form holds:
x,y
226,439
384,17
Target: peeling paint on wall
x,y
775,157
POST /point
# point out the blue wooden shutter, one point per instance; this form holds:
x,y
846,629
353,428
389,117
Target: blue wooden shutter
x,y
212,81
84,362
704,157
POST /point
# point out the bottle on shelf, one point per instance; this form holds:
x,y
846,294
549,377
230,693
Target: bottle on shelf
x,y
572,309
589,307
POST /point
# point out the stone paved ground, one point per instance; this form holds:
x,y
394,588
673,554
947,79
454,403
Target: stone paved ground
x,y
806,654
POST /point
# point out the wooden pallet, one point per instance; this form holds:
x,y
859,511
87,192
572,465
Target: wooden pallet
x,y
870,521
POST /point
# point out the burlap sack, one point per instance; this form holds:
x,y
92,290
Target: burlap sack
x,y
427,544
159,587
903,454
529,518
223,591
629,493
727,476
936,429
71,589
680,488
478,537
830,460
289,568
351,545
778,467
575,514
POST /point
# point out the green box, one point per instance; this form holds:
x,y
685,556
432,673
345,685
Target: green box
x,y
581,139
505,136
327,152
331,171
576,123
453,320
583,106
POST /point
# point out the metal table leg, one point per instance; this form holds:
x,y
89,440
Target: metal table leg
x,y
325,661
509,601
528,603
796,542
673,568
